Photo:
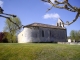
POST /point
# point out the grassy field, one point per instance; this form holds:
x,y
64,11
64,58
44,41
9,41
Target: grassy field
x,y
39,51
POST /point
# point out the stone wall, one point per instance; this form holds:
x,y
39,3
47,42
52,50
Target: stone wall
x,y
70,43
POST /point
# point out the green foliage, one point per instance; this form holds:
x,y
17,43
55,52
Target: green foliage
x,y
39,51
72,34
75,35
8,38
5,35
12,29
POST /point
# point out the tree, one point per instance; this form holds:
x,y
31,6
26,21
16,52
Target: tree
x,y
75,35
11,15
4,38
67,6
12,29
72,35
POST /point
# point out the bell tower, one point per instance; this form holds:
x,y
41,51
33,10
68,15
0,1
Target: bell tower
x,y
60,23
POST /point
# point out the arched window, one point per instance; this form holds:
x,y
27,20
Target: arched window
x,y
42,33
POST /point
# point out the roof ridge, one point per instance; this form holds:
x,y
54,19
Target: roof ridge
x,y
43,25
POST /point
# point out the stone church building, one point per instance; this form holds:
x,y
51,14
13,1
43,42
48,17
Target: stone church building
x,y
38,32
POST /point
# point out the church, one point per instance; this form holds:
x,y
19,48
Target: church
x,y
39,32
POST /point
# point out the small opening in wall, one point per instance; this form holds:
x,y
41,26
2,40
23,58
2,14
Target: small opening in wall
x,y
50,33
57,24
22,34
35,35
42,33
60,24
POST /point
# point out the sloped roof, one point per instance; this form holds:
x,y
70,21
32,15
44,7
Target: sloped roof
x,y
43,25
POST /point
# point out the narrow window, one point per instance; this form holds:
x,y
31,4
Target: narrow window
x,y
57,24
36,35
42,33
60,24
50,33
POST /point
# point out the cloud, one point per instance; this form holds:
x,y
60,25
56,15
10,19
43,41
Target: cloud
x,y
51,16
52,2
1,3
49,3
57,0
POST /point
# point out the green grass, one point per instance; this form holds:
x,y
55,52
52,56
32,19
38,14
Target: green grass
x,y
39,51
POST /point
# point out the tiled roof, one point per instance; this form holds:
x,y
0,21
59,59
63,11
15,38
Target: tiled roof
x,y
43,25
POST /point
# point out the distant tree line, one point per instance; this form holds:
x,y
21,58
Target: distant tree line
x,y
75,35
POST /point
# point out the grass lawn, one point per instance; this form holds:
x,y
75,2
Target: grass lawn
x,y
39,51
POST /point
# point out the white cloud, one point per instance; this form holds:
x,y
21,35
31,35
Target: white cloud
x,y
1,3
49,3
52,2
57,0
51,16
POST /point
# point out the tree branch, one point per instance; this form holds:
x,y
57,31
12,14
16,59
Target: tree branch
x,y
10,15
67,6
11,21
73,20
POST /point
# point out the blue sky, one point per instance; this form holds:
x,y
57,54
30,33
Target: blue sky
x,y
30,11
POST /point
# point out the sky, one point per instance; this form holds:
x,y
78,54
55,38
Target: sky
x,y
30,11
